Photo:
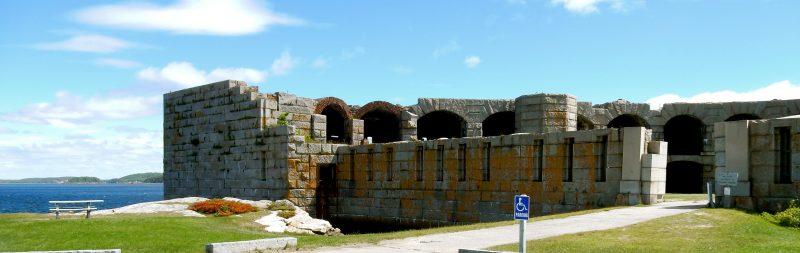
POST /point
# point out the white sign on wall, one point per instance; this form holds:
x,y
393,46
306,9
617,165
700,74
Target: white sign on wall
x,y
726,178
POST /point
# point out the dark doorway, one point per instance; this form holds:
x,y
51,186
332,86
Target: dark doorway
x,y
684,177
383,126
628,120
500,123
684,133
335,125
584,123
742,116
439,124
326,190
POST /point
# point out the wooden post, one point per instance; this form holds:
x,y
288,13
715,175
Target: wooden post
x,y
88,209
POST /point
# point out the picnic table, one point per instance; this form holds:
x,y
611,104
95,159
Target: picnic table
x,y
73,206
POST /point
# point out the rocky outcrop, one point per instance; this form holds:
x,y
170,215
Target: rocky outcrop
x,y
300,223
177,206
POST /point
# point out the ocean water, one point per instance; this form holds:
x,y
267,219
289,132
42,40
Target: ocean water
x,y
32,198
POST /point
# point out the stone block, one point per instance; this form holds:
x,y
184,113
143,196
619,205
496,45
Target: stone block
x,y
408,116
657,147
261,245
629,186
633,149
737,148
296,109
654,160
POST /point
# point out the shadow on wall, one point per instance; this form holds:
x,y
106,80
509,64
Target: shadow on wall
x,y
501,123
684,177
383,126
441,124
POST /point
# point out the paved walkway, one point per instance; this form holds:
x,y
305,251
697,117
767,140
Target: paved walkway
x,y
483,238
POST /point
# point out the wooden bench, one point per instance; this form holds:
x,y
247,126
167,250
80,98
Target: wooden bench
x,y
73,206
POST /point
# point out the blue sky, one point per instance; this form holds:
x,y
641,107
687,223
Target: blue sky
x,y
83,80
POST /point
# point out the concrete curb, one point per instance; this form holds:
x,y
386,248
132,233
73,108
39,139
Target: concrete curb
x,y
480,251
280,243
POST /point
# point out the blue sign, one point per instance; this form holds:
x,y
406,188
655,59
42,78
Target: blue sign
x,y
521,207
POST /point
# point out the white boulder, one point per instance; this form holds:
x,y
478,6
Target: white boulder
x,y
273,223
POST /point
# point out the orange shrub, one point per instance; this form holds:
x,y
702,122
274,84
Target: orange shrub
x,y
221,207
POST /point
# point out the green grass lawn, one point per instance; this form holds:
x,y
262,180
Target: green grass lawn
x,y
131,233
683,197
306,242
705,230
161,233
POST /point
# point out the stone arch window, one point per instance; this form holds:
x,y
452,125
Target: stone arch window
x,y
628,120
684,177
684,133
337,114
438,124
500,123
381,121
584,123
742,116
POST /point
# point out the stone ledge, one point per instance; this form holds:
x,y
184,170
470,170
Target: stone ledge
x,y
260,245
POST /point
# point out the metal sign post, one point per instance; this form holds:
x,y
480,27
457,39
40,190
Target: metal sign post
x,y
726,197
521,213
709,190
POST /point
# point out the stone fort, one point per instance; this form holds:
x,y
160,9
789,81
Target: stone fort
x,y
454,161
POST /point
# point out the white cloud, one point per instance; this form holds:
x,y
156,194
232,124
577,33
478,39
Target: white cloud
x,y
4,130
320,63
243,74
779,90
102,155
472,61
283,64
351,53
451,47
117,63
592,6
70,111
205,17
88,43
185,75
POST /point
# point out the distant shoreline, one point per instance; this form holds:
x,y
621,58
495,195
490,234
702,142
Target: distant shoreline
x,y
75,183
147,177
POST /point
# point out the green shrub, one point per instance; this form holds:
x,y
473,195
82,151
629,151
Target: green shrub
x,y
282,119
279,206
795,203
787,218
286,214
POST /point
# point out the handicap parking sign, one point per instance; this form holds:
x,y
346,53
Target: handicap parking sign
x,y
521,207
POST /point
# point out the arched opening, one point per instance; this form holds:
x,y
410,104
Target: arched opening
x,y
684,177
684,133
335,125
500,123
383,126
742,116
584,123
628,120
438,124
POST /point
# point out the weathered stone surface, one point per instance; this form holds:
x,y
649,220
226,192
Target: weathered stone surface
x,y
223,139
260,245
